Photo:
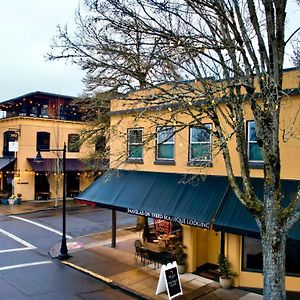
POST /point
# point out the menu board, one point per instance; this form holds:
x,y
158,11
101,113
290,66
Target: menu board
x,y
169,280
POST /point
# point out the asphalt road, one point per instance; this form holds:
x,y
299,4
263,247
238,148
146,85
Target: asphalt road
x,y
27,271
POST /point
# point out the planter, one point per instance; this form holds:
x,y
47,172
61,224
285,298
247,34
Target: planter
x,y
18,200
181,269
11,201
225,283
4,201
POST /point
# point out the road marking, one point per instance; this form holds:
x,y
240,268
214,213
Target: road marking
x,y
25,265
41,225
12,236
16,249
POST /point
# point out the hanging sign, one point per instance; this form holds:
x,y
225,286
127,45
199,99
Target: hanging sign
x,y
162,226
169,280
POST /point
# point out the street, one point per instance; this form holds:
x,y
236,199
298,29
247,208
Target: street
x,y
28,272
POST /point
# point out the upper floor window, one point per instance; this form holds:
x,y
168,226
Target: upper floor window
x,y
8,136
135,143
165,143
42,140
100,143
73,142
200,143
254,151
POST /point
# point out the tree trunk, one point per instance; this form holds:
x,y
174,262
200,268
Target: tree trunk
x,y
273,245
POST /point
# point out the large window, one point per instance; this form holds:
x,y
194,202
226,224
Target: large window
x,y
8,136
253,259
135,143
165,143
43,140
73,142
200,144
100,143
254,152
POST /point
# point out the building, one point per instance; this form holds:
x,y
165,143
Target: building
x,y
41,121
159,178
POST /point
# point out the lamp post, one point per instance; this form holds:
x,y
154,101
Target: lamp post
x,y
63,248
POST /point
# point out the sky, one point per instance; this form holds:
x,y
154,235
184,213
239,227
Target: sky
x,y
26,30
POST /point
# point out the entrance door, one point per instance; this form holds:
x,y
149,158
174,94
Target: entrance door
x,y
42,187
73,184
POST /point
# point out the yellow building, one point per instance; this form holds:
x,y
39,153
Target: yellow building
x,y
42,121
155,179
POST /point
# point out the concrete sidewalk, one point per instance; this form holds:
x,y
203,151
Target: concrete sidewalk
x,y
116,266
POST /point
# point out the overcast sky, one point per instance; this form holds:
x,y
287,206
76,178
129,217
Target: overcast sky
x,y
26,30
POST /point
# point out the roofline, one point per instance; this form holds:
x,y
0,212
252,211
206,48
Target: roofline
x,y
161,107
38,93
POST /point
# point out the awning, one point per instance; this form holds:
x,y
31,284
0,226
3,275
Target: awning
x,y
49,165
233,217
4,161
159,195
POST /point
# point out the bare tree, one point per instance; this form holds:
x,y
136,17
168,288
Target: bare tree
x,y
233,52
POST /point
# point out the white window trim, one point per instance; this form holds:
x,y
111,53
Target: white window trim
x,y
134,144
251,142
196,143
168,142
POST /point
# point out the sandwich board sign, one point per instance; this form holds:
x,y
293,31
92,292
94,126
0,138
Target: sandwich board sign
x,y
169,280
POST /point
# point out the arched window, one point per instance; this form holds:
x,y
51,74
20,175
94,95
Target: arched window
x,y
8,136
42,140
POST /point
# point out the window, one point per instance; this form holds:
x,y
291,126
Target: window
x,y
165,143
100,143
253,259
254,152
200,143
8,136
135,143
73,142
42,140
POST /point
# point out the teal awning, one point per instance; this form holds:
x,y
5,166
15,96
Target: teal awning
x,y
233,217
202,202
160,195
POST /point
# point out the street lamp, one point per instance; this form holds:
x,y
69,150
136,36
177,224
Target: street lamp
x,y
63,249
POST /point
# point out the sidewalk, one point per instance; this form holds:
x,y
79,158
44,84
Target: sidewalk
x,y
116,266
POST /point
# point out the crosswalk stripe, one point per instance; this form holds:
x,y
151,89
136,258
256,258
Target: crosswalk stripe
x,y
25,265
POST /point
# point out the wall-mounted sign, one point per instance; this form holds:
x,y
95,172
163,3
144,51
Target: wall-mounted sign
x,y
169,280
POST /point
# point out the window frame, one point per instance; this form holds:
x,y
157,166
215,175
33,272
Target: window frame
x,y
38,145
75,143
197,160
160,129
252,162
130,158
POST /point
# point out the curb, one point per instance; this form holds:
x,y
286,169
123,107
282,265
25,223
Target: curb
x,y
106,280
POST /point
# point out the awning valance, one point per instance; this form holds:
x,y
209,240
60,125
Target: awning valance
x,y
49,165
159,195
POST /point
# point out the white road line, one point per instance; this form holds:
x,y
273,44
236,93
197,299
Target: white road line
x,y
40,225
15,249
12,236
25,265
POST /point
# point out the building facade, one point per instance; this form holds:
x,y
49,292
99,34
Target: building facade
x,y
178,176
41,121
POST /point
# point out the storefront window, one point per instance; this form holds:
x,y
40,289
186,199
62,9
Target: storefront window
x,y
253,260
